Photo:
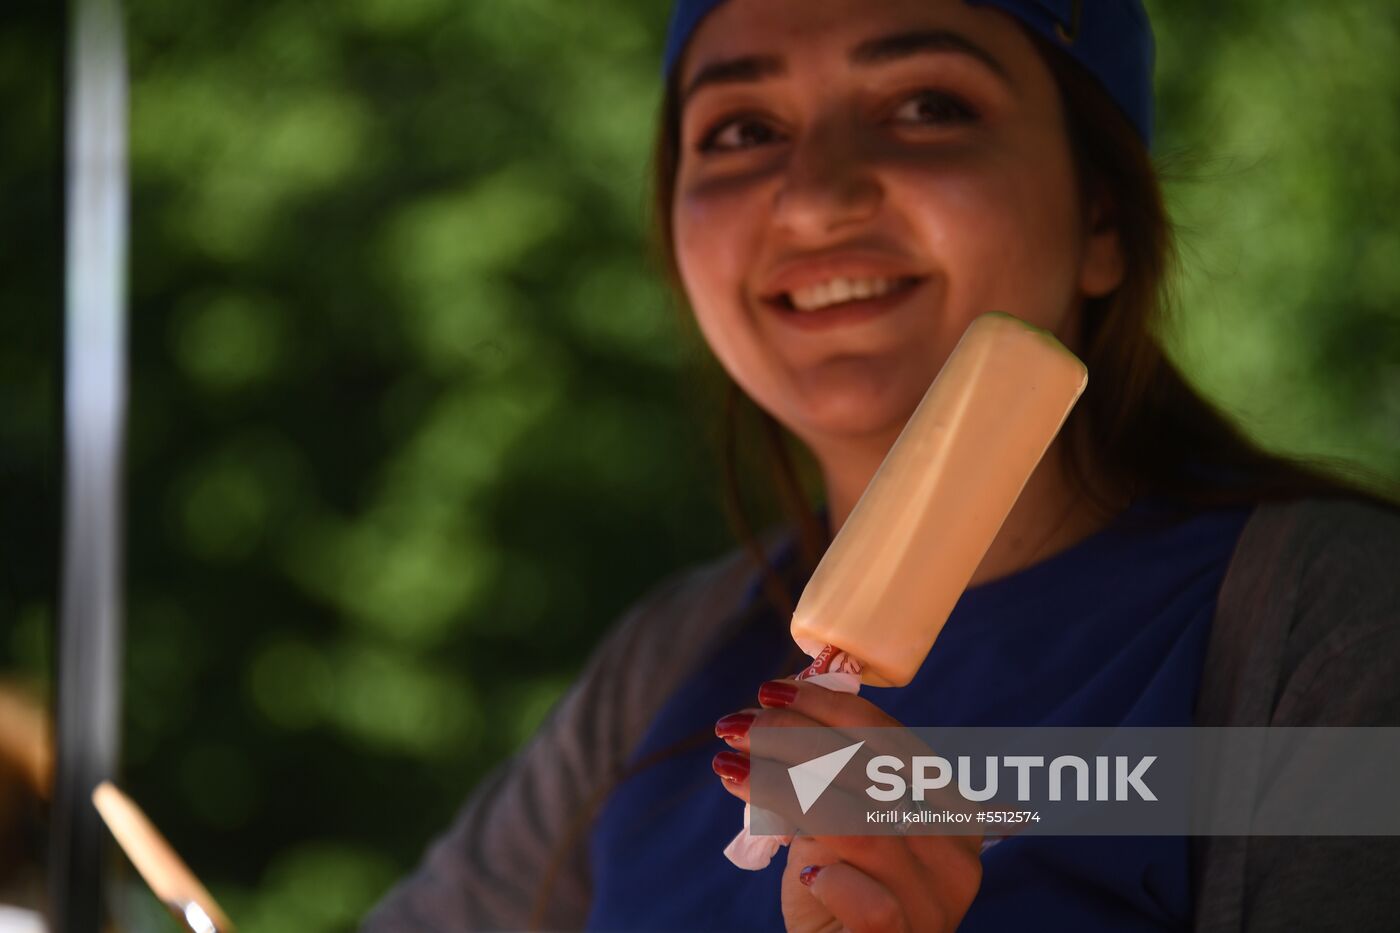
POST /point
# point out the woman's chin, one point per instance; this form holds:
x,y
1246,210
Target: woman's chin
x,y
856,415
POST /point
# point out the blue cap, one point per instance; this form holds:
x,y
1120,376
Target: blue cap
x,y
1111,39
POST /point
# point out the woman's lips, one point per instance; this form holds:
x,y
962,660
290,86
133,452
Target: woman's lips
x,y
843,313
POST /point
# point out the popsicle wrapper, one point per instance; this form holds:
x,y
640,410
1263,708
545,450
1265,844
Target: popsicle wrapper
x,y
830,668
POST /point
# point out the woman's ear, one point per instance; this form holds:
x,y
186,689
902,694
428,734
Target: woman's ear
x,y
1101,270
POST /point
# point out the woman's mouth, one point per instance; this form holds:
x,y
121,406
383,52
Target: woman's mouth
x,y
841,300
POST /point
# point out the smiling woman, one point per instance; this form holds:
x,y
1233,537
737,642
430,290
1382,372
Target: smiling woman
x,y
931,161
841,189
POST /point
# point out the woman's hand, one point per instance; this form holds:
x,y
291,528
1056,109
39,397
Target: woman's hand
x,y
864,883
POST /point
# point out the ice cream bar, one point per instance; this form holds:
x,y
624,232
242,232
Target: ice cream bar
x,y
904,556
886,585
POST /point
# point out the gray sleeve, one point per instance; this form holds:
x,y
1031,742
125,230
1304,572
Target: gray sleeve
x,y
486,870
1341,667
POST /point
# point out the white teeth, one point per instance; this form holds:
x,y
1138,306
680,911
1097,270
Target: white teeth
x,y
839,290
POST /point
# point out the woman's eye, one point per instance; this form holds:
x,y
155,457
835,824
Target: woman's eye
x,y
934,107
927,107
740,133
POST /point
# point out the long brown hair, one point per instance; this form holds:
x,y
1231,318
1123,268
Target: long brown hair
x,y
1140,429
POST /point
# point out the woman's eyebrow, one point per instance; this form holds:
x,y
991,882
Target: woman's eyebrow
x,y
922,42
750,69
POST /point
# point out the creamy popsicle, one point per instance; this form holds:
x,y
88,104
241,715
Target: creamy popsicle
x,y
887,584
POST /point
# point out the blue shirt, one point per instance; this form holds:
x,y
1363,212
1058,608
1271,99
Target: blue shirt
x,y
1111,631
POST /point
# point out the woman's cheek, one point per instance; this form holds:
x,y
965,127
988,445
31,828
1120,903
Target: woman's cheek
x,y
713,285
1040,263
998,251
713,245
705,224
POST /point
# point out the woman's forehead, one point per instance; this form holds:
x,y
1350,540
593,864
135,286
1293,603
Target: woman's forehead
x,y
1111,39
801,29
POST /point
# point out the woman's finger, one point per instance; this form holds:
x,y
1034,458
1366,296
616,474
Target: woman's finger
x,y
836,710
838,806
843,803
803,913
828,707
782,745
883,735
879,871
733,771
859,902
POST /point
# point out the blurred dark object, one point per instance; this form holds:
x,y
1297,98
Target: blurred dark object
x,y
88,672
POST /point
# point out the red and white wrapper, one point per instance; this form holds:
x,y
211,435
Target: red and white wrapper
x,y
830,668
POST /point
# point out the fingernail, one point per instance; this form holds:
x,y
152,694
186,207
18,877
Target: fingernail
x,y
809,874
777,693
734,726
731,766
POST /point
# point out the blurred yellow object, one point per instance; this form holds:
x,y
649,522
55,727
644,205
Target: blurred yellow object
x,y
26,783
166,875
26,742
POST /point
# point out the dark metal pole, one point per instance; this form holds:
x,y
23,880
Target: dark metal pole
x,y
94,403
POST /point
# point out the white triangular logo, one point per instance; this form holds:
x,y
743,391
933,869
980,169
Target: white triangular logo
x,y
811,778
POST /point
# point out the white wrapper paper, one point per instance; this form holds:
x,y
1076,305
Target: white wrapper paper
x,y
830,668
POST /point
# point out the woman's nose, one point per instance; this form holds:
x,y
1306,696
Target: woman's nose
x,y
829,183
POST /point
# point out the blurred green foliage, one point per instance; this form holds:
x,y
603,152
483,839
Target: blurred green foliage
x,y
410,423
1285,122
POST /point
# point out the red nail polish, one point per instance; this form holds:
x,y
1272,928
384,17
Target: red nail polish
x,y
731,766
734,726
809,874
777,693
